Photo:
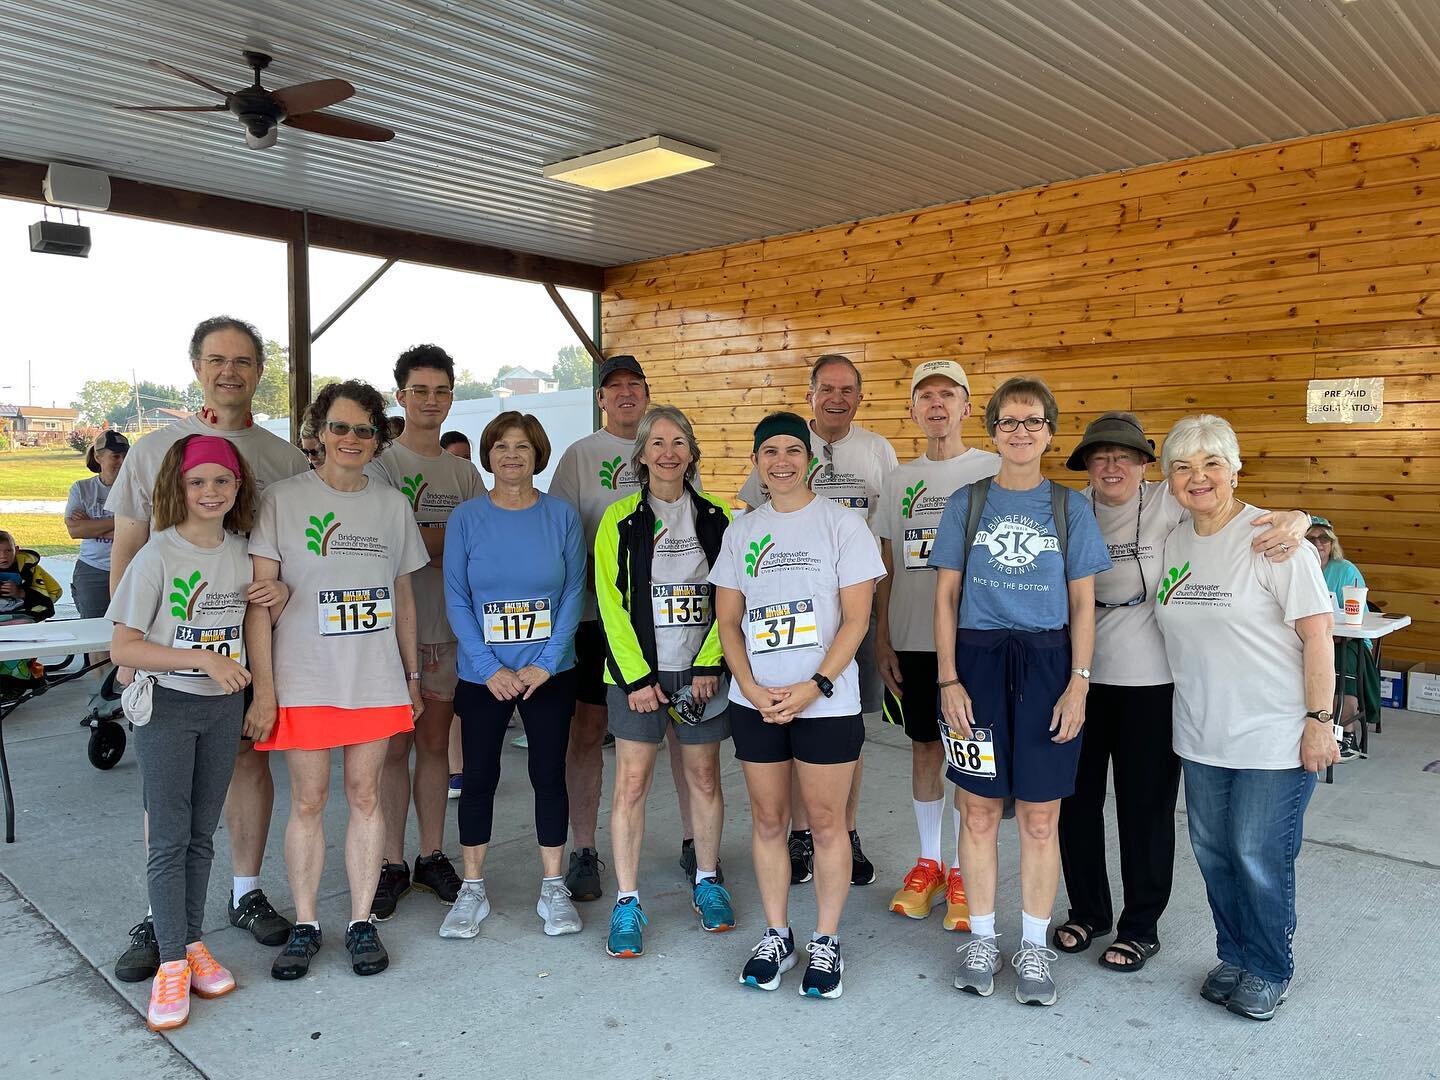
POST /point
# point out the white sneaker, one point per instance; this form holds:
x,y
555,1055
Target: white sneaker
x,y
467,913
557,909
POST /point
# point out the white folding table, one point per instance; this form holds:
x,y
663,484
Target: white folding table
x,y
1374,626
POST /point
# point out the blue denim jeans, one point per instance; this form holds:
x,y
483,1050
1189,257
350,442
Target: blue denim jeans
x,y
1245,827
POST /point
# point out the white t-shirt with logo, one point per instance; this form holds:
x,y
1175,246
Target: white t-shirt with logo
x,y
270,458
790,569
184,596
433,486
850,472
681,621
340,553
1228,616
1129,650
593,473
89,496
911,503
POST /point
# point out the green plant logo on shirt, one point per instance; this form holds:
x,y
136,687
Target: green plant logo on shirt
x,y
660,531
610,472
758,550
912,496
413,487
319,533
186,595
812,472
1173,579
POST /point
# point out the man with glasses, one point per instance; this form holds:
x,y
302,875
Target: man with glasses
x,y
228,357
434,482
848,465
911,504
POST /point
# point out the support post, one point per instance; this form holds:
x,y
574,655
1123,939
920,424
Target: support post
x,y
297,265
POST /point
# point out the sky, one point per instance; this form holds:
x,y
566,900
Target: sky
x,y
131,305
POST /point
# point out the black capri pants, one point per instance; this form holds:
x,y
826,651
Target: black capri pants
x,y
482,733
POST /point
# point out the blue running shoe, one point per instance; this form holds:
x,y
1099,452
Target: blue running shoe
x,y
627,924
712,904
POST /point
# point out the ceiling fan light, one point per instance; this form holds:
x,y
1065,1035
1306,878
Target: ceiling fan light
x,y
637,162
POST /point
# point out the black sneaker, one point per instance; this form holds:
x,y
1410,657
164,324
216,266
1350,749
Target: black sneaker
x,y
435,873
769,960
294,960
1349,748
141,958
862,870
802,856
367,955
583,876
394,883
822,975
254,913
689,865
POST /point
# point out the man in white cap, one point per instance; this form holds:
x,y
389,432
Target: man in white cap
x,y
910,507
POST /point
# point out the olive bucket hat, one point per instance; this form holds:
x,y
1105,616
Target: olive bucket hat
x,y
1111,429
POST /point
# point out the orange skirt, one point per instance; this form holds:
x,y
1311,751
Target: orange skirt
x,y
324,727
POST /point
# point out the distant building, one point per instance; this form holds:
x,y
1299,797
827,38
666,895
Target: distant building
x,y
525,381
151,419
33,420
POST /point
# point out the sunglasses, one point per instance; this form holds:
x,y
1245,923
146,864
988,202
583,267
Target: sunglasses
x,y
365,432
312,454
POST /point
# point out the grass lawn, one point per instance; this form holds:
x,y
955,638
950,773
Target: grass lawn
x,y
41,474
44,533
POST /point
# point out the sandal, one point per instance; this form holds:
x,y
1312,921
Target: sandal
x,y
1077,930
1137,952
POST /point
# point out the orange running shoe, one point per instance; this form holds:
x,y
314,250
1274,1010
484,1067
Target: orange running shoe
x,y
208,979
169,996
924,888
957,908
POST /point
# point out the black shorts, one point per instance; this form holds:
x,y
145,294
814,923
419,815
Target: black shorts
x,y
815,740
918,711
590,663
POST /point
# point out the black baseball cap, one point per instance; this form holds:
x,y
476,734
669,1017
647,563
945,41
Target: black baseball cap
x,y
109,439
623,362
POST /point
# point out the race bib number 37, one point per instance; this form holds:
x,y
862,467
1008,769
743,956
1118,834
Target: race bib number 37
x,y
225,640
789,624
355,611
974,756
917,548
514,622
681,605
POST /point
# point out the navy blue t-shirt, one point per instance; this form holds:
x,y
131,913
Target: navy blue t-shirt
x,y
1015,579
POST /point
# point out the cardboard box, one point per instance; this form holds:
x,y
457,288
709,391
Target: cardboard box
x,y
1392,689
1422,691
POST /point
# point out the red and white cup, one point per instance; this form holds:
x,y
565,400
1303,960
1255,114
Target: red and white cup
x,y
1355,604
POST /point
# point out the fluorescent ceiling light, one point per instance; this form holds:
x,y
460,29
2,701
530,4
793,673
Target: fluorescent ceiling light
x,y
634,163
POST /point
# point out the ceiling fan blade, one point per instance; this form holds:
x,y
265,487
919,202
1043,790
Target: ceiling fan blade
x,y
339,126
172,108
306,97
162,66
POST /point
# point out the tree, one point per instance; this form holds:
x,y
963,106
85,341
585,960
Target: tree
x,y
573,368
99,397
468,388
152,396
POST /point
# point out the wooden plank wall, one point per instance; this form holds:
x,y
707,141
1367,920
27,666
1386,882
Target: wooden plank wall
x,y
1217,284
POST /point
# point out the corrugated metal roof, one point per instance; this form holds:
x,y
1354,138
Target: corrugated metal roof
x,y
823,111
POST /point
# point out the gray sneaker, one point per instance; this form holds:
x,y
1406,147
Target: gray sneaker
x,y
1032,965
1257,997
1221,982
467,913
557,909
980,962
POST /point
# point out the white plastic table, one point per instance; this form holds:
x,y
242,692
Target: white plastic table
x,y
1375,625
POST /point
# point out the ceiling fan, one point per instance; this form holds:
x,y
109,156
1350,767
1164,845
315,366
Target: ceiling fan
x,y
261,111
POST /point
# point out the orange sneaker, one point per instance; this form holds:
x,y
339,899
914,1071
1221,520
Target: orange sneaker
x,y
924,888
957,908
169,996
208,979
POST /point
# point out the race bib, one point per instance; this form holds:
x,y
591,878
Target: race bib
x,y
789,624
355,611
225,640
514,622
918,543
681,605
852,502
974,756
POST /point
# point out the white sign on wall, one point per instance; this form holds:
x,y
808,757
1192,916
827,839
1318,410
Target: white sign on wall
x,y
1345,401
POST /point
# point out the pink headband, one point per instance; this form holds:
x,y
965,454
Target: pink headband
x,y
213,450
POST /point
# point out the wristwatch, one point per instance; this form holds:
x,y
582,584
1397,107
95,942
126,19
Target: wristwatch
x,y
826,686
1083,672
1322,715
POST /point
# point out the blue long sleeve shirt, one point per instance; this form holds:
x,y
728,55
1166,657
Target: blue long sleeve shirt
x,y
514,585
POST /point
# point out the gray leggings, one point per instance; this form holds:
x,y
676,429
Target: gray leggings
x,y
186,754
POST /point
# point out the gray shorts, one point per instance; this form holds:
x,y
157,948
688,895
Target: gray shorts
x,y
872,687
625,723
90,589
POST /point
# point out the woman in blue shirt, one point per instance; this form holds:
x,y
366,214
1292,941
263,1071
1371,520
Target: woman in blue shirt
x,y
1014,674
514,577
1340,572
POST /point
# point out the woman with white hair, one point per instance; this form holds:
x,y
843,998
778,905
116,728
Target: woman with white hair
x,y
1248,641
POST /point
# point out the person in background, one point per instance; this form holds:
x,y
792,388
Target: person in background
x,y
27,591
395,426
87,520
310,444
455,442
1359,663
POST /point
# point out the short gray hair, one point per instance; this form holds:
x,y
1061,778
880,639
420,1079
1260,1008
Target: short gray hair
x,y
642,436
834,358
1201,434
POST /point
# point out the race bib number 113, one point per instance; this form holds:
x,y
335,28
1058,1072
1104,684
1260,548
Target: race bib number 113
x,y
355,611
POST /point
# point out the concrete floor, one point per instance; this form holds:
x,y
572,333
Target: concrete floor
x,y
515,1003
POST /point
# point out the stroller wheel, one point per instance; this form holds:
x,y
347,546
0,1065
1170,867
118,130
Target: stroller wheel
x,y
107,744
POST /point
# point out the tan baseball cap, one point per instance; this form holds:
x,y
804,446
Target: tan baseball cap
x,y
949,368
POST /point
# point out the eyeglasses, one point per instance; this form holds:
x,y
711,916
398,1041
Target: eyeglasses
x,y
362,431
1144,594
1107,460
239,363
439,393
1032,423
313,454
1320,539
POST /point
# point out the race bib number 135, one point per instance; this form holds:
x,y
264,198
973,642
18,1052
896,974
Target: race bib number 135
x,y
355,611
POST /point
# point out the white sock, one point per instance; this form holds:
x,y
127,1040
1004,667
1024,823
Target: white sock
x,y
1036,930
701,875
983,925
628,896
474,880
783,931
315,924
834,938
245,885
929,819
354,923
